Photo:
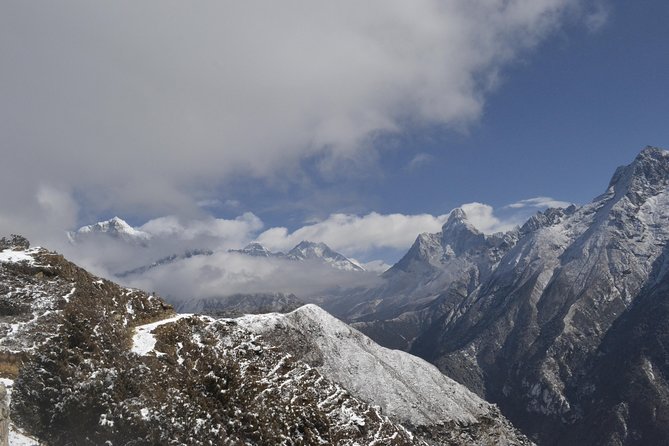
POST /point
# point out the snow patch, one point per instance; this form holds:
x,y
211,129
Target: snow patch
x,y
11,256
144,341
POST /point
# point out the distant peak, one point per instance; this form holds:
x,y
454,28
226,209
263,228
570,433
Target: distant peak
x,y
457,221
318,248
116,227
119,223
257,250
457,214
254,246
306,250
309,244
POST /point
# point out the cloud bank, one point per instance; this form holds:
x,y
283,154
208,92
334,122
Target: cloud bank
x,y
221,273
135,107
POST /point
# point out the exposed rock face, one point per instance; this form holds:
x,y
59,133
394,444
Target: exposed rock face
x,y
4,417
538,319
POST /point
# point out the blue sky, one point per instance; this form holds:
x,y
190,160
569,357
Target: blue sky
x,y
313,119
558,125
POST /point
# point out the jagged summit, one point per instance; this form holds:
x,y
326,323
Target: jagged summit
x,y
255,249
459,234
646,176
549,217
311,248
318,251
458,217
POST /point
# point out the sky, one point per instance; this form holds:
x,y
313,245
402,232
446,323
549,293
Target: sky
x,y
356,124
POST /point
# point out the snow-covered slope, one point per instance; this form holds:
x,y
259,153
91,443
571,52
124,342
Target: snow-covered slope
x,y
406,388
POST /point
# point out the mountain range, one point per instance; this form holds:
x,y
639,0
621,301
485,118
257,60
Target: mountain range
x,y
117,229
92,362
561,323
558,321
305,251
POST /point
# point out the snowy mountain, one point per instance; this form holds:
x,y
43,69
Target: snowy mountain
x,y
320,252
305,251
90,362
535,319
115,227
255,249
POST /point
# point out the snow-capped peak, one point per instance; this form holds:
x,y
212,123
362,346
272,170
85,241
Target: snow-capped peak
x,y
255,249
306,250
457,220
115,227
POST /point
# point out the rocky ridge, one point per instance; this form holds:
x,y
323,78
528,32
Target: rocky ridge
x,y
406,388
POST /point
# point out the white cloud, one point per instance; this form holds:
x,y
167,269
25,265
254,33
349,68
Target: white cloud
x,y
38,212
418,161
222,230
353,234
482,216
227,273
538,202
137,106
